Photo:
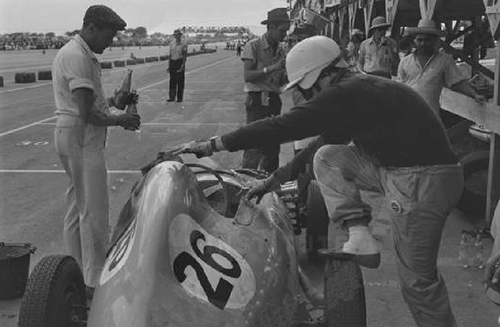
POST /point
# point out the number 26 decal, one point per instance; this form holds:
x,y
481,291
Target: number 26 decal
x,y
220,295
208,268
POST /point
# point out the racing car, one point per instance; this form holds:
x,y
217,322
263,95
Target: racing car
x,y
190,250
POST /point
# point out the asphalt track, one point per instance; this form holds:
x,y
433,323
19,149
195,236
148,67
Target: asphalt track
x,y
33,184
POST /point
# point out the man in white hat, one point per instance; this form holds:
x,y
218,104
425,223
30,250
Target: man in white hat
x,y
427,70
399,150
264,73
378,55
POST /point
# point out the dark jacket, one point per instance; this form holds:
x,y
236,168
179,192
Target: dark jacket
x,y
386,119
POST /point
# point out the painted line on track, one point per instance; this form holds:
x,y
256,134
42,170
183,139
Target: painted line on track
x,y
25,88
140,89
119,70
114,71
27,126
49,171
173,124
188,73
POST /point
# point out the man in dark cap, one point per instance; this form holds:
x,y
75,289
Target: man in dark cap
x,y
177,67
80,136
264,73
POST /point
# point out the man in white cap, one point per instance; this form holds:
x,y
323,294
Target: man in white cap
x,y
378,55
398,150
83,116
427,70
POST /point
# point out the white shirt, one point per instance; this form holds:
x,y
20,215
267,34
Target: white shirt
x,y
439,71
74,67
177,50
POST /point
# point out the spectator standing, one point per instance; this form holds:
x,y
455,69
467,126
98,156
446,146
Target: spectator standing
x,y
378,54
427,70
352,48
396,141
177,67
238,48
80,137
264,73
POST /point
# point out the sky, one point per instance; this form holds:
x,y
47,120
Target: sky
x,y
60,16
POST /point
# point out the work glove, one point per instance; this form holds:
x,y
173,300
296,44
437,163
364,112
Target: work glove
x,y
200,148
262,187
129,121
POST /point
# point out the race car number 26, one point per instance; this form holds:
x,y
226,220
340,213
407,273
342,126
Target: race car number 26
x,y
207,267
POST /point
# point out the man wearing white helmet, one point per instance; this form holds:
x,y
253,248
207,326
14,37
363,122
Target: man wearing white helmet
x,y
399,150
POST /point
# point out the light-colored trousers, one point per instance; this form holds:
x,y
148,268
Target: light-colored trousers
x,y
418,199
86,225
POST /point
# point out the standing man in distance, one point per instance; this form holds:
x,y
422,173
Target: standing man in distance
x,y
80,137
427,70
352,48
264,74
177,67
378,55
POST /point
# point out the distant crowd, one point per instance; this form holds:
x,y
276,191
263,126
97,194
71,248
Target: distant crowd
x,y
21,42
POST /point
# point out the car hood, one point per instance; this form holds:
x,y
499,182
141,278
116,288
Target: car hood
x,y
179,263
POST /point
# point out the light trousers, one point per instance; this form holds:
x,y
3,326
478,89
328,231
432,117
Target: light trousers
x,y
80,148
418,201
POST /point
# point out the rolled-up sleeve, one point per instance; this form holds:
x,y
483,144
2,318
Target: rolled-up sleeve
x,y
249,52
78,73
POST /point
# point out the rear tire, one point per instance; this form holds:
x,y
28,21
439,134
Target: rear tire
x,y
55,294
345,304
473,199
316,222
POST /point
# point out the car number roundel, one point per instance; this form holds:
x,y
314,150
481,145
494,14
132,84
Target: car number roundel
x,y
119,254
207,267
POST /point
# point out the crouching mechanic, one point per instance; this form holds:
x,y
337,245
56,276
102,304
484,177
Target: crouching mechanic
x,y
398,149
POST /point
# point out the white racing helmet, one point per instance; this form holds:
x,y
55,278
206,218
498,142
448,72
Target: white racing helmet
x,y
308,58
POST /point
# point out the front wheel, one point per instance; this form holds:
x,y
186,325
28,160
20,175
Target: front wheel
x,y
55,295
